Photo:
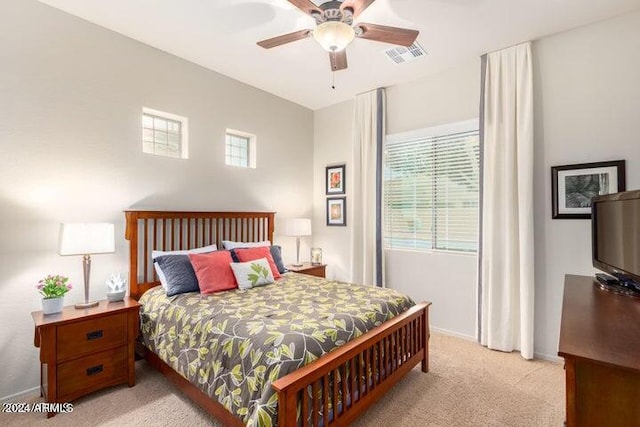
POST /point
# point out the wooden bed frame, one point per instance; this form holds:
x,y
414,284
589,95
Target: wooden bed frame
x,y
350,378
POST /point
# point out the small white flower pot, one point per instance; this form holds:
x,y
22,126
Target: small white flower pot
x,y
52,305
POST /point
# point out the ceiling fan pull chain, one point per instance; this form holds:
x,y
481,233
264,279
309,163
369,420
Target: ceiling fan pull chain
x,y
333,77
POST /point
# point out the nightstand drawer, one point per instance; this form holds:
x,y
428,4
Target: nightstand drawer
x,y
88,336
93,372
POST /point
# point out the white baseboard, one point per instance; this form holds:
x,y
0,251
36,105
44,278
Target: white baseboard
x,y
542,356
20,395
548,357
453,333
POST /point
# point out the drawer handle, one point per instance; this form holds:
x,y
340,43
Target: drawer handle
x,y
95,370
94,335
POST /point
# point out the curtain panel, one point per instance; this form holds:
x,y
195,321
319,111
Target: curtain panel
x,y
506,276
367,254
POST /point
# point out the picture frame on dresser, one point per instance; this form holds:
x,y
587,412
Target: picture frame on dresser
x,y
573,186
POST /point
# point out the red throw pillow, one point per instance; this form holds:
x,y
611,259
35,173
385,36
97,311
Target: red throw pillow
x,y
213,271
252,254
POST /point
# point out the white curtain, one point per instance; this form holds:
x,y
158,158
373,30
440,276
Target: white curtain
x,y
507,264
367,262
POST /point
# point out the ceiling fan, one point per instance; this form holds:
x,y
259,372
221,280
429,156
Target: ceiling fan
x,y
335,30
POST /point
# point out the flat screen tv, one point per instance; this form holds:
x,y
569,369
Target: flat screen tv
x,y
615,224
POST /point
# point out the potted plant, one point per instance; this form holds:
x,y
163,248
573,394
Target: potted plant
x,y
53,288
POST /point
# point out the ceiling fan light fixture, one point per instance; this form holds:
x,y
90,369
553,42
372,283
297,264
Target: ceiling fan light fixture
x,y
334,36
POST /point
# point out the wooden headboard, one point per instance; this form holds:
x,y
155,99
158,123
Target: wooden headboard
x,y
170,230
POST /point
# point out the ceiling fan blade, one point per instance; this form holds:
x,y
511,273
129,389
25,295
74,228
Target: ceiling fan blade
x,y
382,33
284,39
338,60
306,6
358,6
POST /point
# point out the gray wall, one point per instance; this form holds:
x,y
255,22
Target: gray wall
x,y
332,133
71,95
587,106
447,280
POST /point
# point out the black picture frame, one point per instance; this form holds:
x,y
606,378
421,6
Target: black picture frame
x,y
336,211
583,185
335,173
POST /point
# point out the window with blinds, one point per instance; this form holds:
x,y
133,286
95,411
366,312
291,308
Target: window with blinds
x,y
431,189
164,134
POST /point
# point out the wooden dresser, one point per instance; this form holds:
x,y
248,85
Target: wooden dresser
x,y
600,342
84,350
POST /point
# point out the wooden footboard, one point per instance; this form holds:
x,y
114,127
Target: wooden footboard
x,y
337,388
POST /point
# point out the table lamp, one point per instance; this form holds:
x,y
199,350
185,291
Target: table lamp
x,y
297,227
85,240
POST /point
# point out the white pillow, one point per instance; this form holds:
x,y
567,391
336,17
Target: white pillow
x,y
253,273
228,244
156,254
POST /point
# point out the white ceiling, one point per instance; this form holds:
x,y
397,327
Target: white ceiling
x,y
222,34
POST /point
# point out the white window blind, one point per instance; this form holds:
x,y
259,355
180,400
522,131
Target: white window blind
x,y
431,189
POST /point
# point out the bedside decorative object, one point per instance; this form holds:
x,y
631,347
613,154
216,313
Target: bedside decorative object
x,y
116,287
297,227
87,239
53,289
52,305
316,256
116,296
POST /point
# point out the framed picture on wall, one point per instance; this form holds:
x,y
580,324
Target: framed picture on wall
x,y
573,186
337,211
335,179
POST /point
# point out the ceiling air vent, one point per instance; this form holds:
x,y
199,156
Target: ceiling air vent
x,y
401,54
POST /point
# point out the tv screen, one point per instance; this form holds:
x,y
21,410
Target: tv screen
x,y
616,234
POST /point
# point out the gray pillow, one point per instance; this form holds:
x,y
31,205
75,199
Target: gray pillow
x,y
179,274
276,254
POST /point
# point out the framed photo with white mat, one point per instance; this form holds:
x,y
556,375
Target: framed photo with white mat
x,y
573,186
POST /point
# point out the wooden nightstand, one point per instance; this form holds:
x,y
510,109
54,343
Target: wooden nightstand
x,y
311,269
84,350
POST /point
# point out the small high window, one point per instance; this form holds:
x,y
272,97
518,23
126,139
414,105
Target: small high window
x,y
240,149
164,134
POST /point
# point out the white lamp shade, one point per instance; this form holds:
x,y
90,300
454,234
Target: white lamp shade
x,y
84,239
297,227
334,36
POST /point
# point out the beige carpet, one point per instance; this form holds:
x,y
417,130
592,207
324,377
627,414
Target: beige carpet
x,y
468,385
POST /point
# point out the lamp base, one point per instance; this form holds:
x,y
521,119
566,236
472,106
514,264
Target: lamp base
x,y
86,304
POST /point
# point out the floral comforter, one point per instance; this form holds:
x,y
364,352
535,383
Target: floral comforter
x,y
234,344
